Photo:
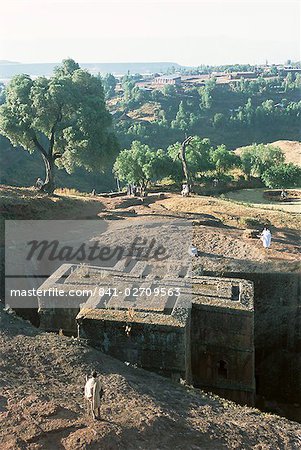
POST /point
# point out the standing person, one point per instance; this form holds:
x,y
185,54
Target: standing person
x,y
93,393
283,194
185,190
193,251
266,237
39,184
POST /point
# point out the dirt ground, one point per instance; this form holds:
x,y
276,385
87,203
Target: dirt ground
x,y
218,227
42,407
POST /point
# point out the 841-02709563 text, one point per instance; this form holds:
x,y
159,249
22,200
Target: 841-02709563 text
x,y
101,291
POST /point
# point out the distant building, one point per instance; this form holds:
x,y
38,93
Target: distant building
x,y
218,74
293,70
120,115
168,79
124,116
238,75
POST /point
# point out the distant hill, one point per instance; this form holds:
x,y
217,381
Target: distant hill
x,y
5,61
9,69
291,149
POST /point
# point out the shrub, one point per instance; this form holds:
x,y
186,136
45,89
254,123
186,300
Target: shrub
x,y
250,222
282,176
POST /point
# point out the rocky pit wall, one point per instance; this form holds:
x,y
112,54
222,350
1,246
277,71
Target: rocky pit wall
x,y
277,334
159,346
222,352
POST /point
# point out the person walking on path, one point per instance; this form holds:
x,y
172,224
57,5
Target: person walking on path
x,y
94,393
266,237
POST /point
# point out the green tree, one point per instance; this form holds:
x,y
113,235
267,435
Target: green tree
x,y
63,117
156,95
140,165
247,161
109,84
207,93
224,159
282,176
182,119
257,158
197,155
128,85
298,81
288,82
169,90
218,120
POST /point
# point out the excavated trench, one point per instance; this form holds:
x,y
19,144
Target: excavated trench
x,y
277,338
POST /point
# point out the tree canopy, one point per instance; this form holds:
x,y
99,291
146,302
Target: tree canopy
x,y
197,154
223,159
141,164
109,84
64,117
257,158
282,176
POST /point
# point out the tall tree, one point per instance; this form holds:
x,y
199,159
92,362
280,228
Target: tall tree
x,y
63,117
182,118
258,158
196,153
141,164
182,156
109,84
224,159
282,176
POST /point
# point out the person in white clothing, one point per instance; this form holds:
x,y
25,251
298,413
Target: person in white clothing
x,y
93,393
193,251
266,237
185,190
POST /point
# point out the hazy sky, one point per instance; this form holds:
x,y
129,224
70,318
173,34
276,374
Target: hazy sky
x,y
187,32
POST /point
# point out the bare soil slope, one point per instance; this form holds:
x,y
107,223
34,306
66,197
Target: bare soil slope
x,y
291,149
42,407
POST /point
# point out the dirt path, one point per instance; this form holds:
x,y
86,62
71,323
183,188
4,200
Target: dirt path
x,y
256,198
